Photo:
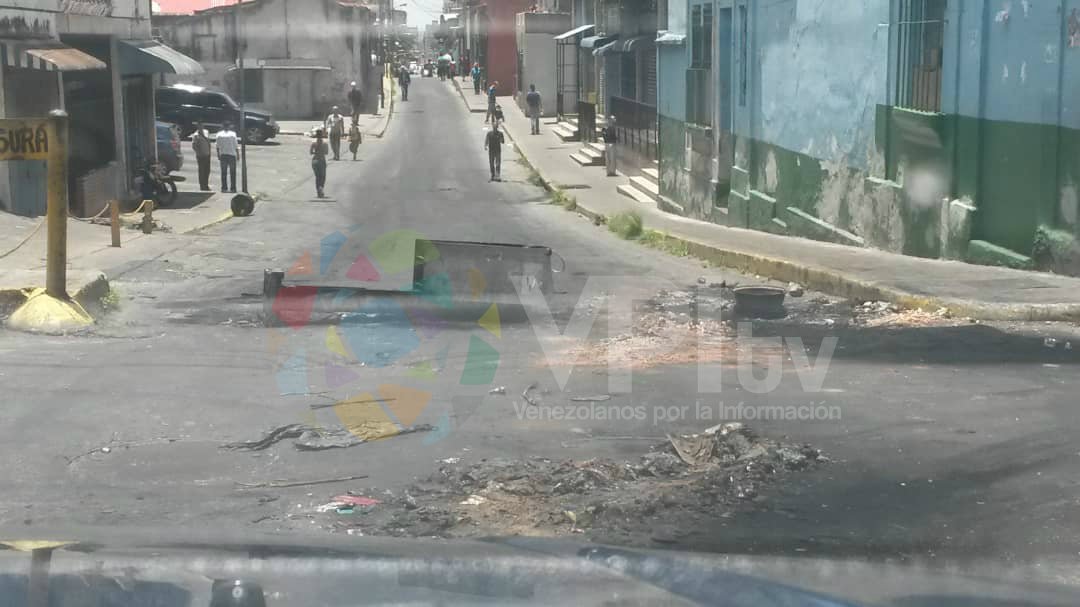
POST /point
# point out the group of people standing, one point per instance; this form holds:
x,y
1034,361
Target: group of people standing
x,y
334,126
227,143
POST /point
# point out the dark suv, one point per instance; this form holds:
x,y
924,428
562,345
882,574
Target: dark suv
x,y
184,105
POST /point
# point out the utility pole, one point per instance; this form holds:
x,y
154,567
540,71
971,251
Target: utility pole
x,y
243,94
384,14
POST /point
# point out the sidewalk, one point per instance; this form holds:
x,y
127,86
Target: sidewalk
x,y
372,125
966,290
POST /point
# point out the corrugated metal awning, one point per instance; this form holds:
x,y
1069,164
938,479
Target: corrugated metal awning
x,y
317,65
607,48
48,55
581,29
632,44
596,41
153,57
670,38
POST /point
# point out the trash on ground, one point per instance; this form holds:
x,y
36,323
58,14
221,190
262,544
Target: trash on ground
x,y
499,390
622,502
356,500
310,438
795,289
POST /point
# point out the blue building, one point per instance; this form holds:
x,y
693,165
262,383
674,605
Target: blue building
x,y
937,128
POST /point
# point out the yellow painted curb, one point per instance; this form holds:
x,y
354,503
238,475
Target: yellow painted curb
x,y
42,313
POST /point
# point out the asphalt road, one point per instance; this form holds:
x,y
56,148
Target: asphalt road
x,y
952,444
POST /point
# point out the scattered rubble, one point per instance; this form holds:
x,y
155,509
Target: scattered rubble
x,y
690,479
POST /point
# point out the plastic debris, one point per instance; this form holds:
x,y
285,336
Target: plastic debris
x,y
499,390
794,289
356,500
474,500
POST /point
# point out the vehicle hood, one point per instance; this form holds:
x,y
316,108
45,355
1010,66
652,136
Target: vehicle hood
x,y
179,567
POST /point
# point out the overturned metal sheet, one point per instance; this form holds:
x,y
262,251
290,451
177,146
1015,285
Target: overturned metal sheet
x,y
474,270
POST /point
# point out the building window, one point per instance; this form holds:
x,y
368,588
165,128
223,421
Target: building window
x,y
744,53
696,39
920,36
706,35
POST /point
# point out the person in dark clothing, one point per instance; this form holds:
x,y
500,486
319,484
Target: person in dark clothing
x,y
532,100
200,144
356,100
319,151
404,79
493,144
499,116
610,155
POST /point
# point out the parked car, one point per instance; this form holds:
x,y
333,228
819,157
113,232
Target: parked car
x,y
169,151
185,104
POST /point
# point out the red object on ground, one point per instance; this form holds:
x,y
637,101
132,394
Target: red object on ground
x,y
356,500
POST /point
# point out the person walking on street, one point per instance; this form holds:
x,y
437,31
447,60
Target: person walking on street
x,y
200,144
354,139
493,144
227,147
356,100
319,151
404,79
532,99
609,146
499,116
476,78
335,125
491,101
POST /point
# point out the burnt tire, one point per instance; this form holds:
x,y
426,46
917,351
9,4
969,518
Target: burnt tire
x,y
242,205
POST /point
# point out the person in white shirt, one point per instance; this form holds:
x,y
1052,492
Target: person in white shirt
x,y
227,147
335,126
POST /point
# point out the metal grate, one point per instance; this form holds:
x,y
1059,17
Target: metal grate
x,y
920,36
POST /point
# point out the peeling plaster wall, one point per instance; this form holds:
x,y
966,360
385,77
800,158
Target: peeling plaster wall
x,y
818,74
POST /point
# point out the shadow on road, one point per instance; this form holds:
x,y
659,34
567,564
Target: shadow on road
x,y
188,200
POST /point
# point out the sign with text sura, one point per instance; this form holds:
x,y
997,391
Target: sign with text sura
x,y
24,139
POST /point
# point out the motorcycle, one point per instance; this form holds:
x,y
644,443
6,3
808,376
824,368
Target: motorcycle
x,y
155,183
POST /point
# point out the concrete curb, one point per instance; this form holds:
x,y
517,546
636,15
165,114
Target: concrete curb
x,y
389,114
836,283
465,100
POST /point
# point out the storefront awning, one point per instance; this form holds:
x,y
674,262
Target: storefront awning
x,y
596,41
48,55
581,29
153,57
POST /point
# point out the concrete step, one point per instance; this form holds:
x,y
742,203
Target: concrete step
x,y
592,152
565,132
652,173
599,147
587,161
635,194
645,185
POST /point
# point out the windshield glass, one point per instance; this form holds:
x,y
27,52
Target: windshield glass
x,y
787,279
